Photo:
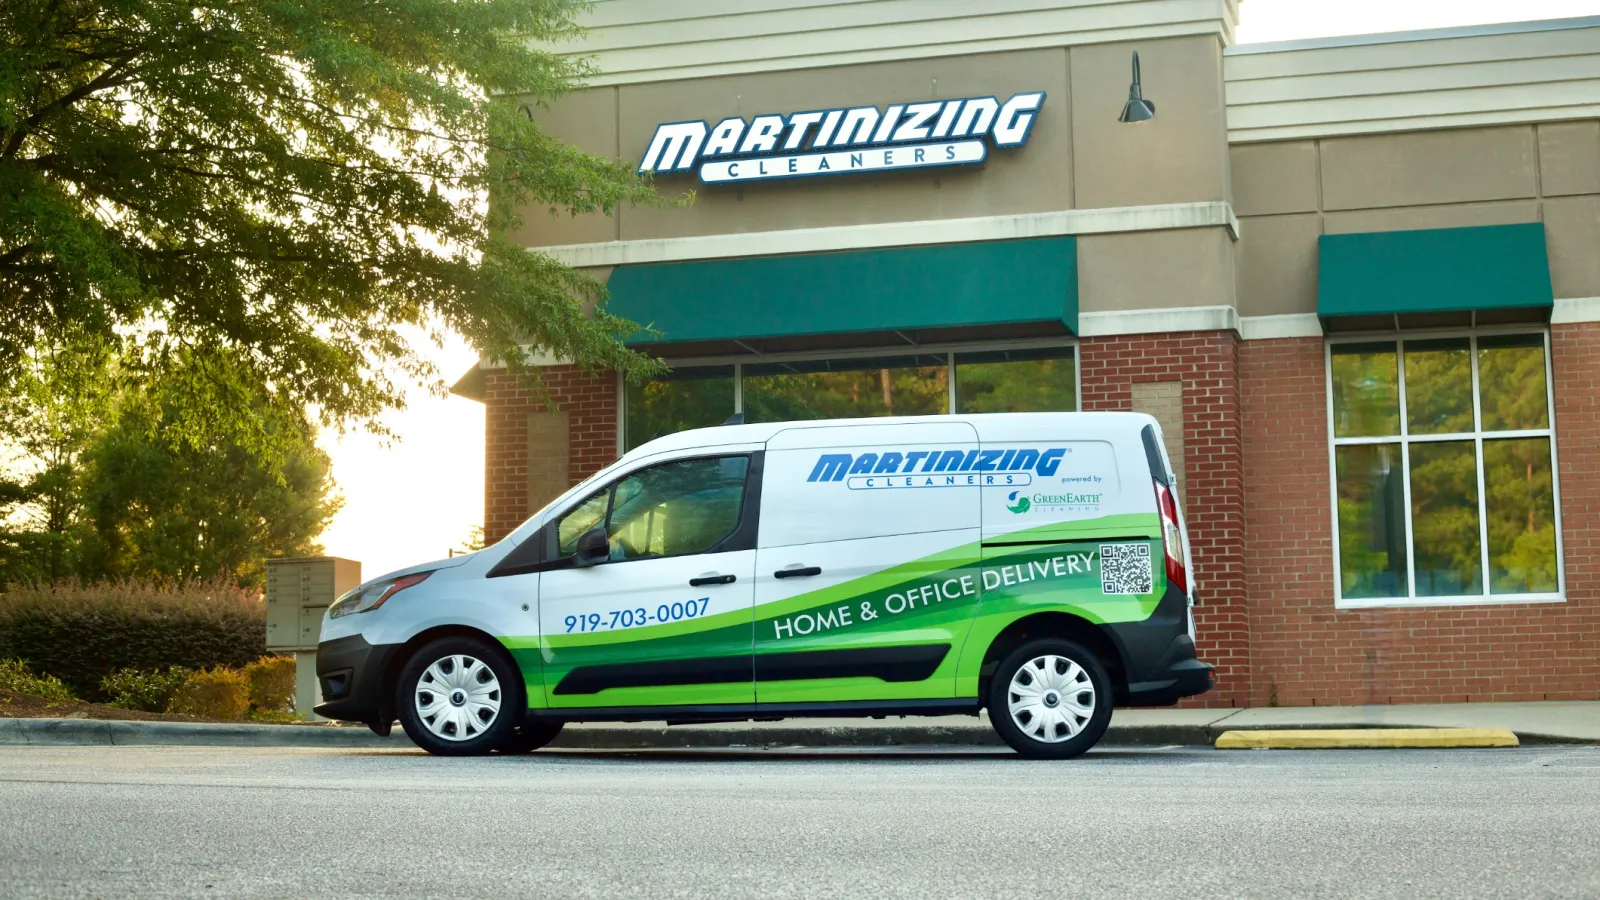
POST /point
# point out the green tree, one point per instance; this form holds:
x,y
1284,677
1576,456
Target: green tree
x,y
298,184
57,401
116,495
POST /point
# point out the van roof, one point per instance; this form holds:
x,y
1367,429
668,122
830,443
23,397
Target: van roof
x,y
990,426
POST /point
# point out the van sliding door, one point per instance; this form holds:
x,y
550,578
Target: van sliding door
x,y
867,564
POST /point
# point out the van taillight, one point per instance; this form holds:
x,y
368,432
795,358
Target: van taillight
x,y
1172,538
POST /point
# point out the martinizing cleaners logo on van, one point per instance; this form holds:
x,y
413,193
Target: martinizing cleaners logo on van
x,y
876,470
857,139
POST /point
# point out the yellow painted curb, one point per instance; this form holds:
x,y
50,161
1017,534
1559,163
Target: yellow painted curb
x,y
1366,738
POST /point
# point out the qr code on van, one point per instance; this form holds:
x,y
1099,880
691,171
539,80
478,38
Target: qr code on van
x,y
1125,569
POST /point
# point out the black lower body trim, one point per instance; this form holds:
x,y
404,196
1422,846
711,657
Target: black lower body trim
x,y
916,662
891,664
739,712
657,673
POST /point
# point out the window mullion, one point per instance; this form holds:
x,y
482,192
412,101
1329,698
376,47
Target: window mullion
x,y
1483,493
950,381
738,389
1405,469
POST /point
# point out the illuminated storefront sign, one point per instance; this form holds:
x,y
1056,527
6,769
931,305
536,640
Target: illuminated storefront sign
x,y
936,133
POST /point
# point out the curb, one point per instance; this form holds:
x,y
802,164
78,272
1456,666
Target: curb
x,y
104,732
1365,738
100,732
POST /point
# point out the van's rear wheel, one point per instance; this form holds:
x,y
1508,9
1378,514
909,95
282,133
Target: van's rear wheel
x,y
459,696
1050,699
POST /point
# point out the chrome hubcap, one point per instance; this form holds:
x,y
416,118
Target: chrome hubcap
x,y
1051,699
458,698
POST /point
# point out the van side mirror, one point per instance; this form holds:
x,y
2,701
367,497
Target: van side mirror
x,y
593,547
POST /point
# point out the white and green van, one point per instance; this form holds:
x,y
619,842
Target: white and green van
x,y
1030,564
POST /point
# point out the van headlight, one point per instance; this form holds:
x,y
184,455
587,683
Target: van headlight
x,y
373,595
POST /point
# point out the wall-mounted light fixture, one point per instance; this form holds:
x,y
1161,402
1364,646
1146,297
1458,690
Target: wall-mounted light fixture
x,y
1137,109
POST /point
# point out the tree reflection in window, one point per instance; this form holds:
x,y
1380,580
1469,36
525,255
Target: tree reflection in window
x,y
1035,380
1476,412
846,389
691,397
676,508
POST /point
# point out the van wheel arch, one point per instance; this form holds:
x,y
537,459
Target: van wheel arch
x,y
1055,625
391,676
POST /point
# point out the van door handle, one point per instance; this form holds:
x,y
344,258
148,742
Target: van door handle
x,y
712,579
797,572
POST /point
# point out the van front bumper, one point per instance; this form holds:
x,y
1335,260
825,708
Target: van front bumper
x,y
351,672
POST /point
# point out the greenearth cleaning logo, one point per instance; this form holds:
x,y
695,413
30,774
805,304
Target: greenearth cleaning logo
x,y
1021,505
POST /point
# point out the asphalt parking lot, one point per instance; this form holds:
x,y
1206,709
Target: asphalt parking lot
x,y
1169,822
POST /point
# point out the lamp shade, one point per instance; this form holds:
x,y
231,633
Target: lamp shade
x,y
1138,109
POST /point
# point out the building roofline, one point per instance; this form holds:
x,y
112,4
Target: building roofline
x,y
1427,34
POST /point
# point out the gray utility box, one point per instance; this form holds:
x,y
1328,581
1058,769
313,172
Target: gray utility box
x,y
299,591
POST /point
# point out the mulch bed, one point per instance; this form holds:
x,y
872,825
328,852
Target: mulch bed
x,y
23,706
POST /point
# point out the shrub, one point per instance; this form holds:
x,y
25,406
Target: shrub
x,y
149,691
82,633
217,693
271,683
15,676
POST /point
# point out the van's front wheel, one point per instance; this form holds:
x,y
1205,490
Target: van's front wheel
x,y
1050,699
459,696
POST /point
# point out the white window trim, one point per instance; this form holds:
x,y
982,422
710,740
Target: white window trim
x,y
947,350
1405,441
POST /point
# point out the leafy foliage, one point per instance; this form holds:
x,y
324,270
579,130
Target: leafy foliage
x,y
82,633
15,676
295,186
218,693
271,683
101,489
149,691
57,400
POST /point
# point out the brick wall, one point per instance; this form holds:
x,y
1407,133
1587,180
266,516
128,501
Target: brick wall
x,y
1306,652
513,412
1253,410
1206,363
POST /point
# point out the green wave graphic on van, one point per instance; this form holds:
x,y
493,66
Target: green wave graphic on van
x,y
962,596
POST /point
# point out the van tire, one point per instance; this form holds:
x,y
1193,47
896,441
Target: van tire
x,y
469,670
1054,665
530,736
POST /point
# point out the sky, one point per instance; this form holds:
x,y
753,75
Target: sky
x,y
414,499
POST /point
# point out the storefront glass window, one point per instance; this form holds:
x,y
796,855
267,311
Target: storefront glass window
x,y
1017,381
839,389
1444,476
690,397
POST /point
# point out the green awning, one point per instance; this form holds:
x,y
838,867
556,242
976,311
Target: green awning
x,y
1431,271
897,289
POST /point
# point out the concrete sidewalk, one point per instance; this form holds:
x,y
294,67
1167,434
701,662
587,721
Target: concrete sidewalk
x,y
1561,722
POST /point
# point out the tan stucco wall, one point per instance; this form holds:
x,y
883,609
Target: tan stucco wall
x,y
1078,155
1288,193
1155,269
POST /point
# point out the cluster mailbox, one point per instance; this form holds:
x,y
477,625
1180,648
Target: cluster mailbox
x,y
299,591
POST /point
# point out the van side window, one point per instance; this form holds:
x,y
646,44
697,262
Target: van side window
x,y
583,517
676,508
